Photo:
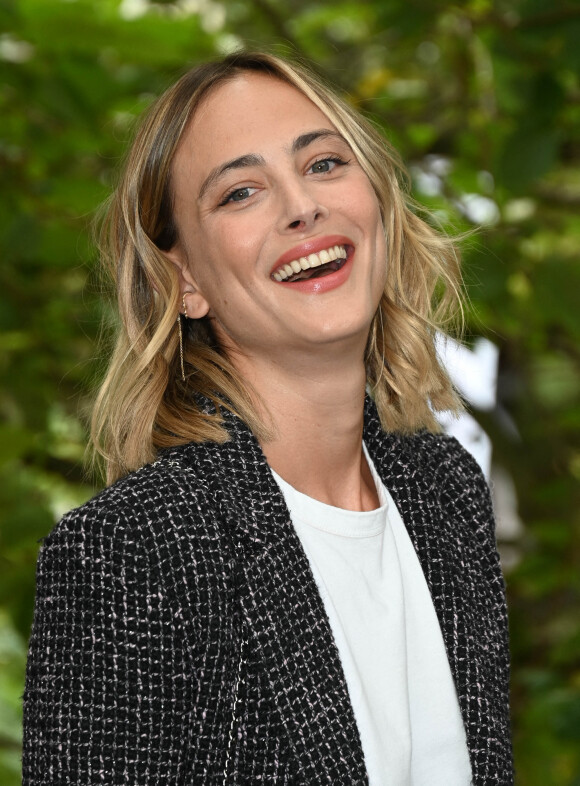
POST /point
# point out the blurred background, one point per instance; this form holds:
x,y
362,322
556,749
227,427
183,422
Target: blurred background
x,y
482,98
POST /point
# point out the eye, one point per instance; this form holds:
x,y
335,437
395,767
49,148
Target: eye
x,y
324,165
238,195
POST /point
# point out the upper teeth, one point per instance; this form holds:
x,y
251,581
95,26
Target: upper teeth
x,y
313,260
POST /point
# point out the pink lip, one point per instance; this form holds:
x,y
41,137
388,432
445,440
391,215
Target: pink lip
x,y
311,247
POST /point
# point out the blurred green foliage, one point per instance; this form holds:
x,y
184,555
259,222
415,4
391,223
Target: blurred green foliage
x,y
482,97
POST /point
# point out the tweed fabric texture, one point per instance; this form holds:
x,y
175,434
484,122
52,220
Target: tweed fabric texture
x,y
155,596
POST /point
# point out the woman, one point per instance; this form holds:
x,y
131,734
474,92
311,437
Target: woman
x,y
287,582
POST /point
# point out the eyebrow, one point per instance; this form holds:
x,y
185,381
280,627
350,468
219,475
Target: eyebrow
x,y
304,140
251,159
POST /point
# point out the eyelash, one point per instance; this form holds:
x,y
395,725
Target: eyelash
x,y
334,158
230,194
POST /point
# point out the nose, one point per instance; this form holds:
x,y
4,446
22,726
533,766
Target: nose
x,y
301,207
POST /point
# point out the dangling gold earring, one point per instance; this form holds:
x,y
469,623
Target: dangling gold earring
x,y
180,345
180,331
380,313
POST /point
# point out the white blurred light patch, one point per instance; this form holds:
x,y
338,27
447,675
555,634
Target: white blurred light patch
x,y
13,50
479,209
474,374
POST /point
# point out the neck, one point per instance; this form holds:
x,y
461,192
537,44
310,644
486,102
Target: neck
x,y
317,418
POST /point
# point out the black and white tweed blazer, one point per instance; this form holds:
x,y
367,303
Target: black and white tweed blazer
x,y
179,637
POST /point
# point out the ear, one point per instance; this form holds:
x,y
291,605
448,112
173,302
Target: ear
x,y
197,305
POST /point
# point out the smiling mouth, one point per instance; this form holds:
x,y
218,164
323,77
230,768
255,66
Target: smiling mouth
x,y
317,265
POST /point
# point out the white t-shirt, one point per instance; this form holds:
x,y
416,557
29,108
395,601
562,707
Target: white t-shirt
x,y
388,638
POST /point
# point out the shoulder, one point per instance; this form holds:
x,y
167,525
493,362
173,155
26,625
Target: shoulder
x,y
448,468
159,500
458,486
426,471
441,455
435,457
156,536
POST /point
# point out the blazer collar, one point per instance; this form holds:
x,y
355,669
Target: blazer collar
x,y
283,613
410,467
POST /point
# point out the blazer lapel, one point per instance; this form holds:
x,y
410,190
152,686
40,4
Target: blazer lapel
x,y
440,544
285,615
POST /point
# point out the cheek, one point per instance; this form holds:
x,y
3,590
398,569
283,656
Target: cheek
x,y
362,205
376,227
232,249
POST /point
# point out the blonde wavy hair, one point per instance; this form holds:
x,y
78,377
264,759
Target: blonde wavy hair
x,y
144,404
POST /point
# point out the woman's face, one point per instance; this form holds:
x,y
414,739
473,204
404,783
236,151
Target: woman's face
x,y
281,239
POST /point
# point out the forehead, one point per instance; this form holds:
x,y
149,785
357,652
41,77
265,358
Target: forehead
x,y
252,113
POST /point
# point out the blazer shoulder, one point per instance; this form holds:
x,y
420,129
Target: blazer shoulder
x,y
436,470
441,455
158,495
